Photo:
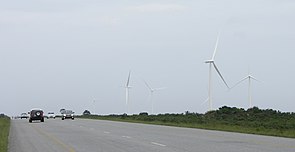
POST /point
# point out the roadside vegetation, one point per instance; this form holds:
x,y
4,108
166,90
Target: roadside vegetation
x,y
4,132
253,120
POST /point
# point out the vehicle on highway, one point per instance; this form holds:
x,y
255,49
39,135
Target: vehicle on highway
x,y
36,114
24,115
50,115
67,114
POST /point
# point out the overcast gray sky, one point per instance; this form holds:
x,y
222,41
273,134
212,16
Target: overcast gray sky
x,y
66,53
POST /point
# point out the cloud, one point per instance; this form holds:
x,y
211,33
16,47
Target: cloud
x,y
157,8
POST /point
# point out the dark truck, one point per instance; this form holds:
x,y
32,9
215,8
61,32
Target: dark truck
x,y
36,114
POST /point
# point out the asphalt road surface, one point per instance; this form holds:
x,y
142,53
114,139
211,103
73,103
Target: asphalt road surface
x,y
81,135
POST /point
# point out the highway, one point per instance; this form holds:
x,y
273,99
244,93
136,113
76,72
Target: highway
x,y
82,135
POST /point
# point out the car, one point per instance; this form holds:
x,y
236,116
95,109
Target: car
x,y
67,114
24,115
50,115
36,114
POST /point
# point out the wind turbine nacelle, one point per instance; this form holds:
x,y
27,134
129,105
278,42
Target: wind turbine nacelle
x,y
129,87
209,61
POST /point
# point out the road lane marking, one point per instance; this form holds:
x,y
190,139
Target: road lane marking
x,y
106,132
56,140
128,137
158,144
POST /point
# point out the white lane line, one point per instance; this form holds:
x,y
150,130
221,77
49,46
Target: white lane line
x,y
158,144
91,128
126,137
106,132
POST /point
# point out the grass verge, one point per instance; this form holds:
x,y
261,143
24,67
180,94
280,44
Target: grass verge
x,y
289,133
4,132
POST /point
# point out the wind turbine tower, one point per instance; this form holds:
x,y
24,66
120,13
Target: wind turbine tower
x,y
211,63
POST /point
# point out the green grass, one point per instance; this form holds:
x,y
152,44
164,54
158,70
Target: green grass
x,y
4,132
253,120
289,133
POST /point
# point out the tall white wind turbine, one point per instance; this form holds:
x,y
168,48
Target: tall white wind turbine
x,y
152,90
212,62
127,87
249,78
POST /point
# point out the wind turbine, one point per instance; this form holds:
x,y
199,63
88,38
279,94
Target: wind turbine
x,y
249,77
212,62
152,90
127,87
94,106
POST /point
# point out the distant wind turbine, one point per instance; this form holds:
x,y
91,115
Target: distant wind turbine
x,y
249,77
127,87
94,106
152,90
212,62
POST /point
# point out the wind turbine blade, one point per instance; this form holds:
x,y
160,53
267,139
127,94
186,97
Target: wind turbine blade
x,y
205,101
160,88
220,74
128,80
255,79
216,45
240,82
147,84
